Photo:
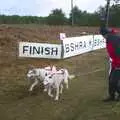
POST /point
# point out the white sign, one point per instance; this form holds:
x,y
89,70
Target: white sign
x,y
77,45
99,42
39,50
62,36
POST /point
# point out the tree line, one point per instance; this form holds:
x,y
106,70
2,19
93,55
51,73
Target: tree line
x,y
57,17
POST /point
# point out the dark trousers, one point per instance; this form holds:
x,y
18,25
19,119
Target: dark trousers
x,y
114,82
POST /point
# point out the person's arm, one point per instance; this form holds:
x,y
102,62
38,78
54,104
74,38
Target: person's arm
x,y
111,51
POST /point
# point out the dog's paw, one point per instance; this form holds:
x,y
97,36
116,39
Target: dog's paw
x,y
30,90
51,95
56,99
45,90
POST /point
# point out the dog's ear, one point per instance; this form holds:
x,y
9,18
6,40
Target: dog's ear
x,y
46,74
34,71
30,67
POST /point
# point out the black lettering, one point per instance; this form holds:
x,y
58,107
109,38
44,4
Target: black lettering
x,y
30,49
67,48
25,48
42,50
84,44
98,42
76,46
95,42
90,43
101,41
80,44
47,50
72,46
54,51
36,50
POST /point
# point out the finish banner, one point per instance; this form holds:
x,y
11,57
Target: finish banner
x,y
39,50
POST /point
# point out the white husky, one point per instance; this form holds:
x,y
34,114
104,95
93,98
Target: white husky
x,y
56,81
38,74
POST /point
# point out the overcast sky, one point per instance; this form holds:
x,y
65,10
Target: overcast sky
x,y
44,7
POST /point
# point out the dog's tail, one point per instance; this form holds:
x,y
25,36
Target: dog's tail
x,y
71,77
68,75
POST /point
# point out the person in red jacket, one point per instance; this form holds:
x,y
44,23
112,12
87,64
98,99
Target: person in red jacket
x,y
113,49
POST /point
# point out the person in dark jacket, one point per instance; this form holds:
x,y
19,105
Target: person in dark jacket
x,y
113,49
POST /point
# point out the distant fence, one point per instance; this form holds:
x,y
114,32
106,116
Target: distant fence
x,y
70,46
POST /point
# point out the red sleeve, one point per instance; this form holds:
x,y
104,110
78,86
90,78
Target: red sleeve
x,y
111,51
